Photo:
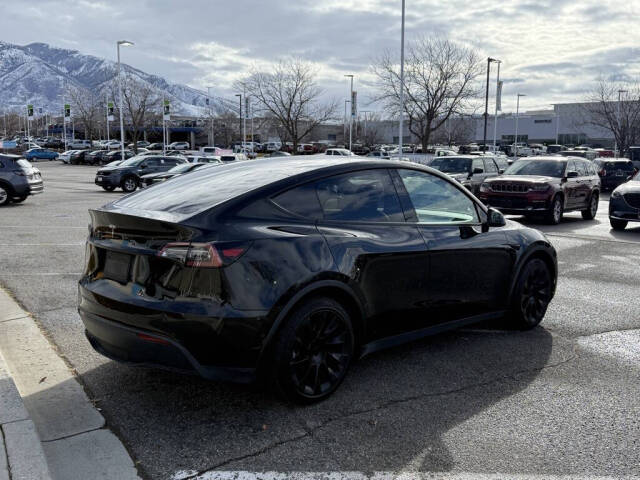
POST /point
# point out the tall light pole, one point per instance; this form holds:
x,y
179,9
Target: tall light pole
x,y
486,102
124,43
213,134
352,111
620,92
557,122
365,123
498,101
401,83
239,95
344,126
515,140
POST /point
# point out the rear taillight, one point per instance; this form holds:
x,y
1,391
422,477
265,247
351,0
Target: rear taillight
x,y
603,173
204,255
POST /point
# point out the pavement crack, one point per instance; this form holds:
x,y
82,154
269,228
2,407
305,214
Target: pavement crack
x,y
615,330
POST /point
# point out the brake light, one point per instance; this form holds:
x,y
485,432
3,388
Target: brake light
x,y
203,255
150,339
603,173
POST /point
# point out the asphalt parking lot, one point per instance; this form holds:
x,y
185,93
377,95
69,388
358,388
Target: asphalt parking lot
x,y
561,399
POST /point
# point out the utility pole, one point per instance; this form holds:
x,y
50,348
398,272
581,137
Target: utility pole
x,y
498,107
515,141
352,112
239,95
486,103
124,43
401,83
620,92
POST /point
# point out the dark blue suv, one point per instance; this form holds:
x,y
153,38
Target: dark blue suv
x,y
126,175
18,179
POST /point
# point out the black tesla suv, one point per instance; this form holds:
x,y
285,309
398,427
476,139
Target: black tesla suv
x,y
291,270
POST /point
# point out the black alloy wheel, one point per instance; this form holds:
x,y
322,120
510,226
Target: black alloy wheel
x,y
314,351
590,213
4,195
554,215
129,184
532,294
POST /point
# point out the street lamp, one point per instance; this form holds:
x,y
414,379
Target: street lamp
x,y
498,100
344,125
124,43
515,140
213,135
352,112
401,83
239,95
486,102
620,92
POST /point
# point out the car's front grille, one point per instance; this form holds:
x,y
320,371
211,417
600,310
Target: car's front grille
x,y
508,202
509,187
632,199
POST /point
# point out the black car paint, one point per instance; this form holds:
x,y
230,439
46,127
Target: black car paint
x,y
624,202
113,176
394,278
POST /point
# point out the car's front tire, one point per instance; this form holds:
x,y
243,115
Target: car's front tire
x,y
313,351
5,197
618,224
554,215
590,212
531,295
129,184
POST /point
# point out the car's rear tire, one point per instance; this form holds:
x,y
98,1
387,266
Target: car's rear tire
x,y
590,212
554,215
313,351
5,196
531,295
129,184
109,188
618,224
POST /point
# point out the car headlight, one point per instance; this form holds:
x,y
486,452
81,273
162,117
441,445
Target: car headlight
x,y
615,194
484,188
539,187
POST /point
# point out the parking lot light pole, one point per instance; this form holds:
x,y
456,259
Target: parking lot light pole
x,y
620,92
495,117
124,43
515,140
239,95
364,112
350,116
486,102
401,84
213,134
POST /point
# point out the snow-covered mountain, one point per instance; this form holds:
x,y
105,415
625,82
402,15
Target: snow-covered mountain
x,y
37,73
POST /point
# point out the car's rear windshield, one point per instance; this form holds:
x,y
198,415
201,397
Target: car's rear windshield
x,y
626,166
546,168
451,164
188,195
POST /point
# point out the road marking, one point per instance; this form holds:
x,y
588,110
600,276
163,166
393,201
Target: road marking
x,y
42,244
49,274
244,475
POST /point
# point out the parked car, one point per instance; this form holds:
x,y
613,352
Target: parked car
x,y
272,146
40,153
117,155
203,159
78,156
179,146
588,154
279,153
155,146
95,157
53,143
306,149
614,171
555,148
199,275
18,179
547,186
112,144
381,154
127,174
65,157
342,152
152,178
469,170
140,144
79,144
624,204
233,157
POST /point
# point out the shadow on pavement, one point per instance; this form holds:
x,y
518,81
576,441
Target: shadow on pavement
x,y
390,413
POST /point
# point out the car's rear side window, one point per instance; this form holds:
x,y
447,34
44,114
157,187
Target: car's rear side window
x,y
301,200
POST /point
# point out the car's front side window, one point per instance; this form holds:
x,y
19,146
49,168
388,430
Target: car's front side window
x,y
436,200
364,196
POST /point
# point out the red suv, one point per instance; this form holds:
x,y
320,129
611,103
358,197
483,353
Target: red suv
x,y
547,186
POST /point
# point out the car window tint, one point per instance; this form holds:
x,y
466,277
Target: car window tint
x,y
436,200
301,200
477,163
367,196
581,168
490,167
152,162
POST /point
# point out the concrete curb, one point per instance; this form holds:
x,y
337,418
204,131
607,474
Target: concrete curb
x,y
21,453
50,422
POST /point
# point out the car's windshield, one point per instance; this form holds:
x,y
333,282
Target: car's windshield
x,y
132,162
544,168
452,164
183,167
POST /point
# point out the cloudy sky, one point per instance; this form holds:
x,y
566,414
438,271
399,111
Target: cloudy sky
x,y
552,50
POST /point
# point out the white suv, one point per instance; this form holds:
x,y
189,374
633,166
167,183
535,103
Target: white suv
x,y
179,146
79,144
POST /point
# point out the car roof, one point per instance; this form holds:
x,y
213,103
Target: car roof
x,y
550,158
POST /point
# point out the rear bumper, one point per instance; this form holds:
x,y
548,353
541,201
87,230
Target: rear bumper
x,y
36,187
133,346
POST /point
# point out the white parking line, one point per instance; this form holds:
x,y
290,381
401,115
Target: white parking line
x,y
244,475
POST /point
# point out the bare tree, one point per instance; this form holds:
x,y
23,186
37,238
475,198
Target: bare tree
x,y
439,81
369,126
291,97
139,101
621,118
86,107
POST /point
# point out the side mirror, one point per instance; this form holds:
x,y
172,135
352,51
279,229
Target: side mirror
x,y
501,171
495,218
143,166
572,174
